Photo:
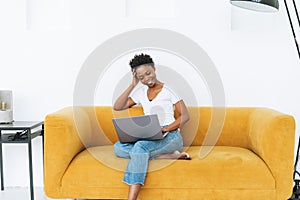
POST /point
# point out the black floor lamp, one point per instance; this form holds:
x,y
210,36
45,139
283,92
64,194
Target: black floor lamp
x,y
271,6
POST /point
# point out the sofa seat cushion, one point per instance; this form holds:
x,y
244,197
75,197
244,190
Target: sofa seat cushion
x,y
223,168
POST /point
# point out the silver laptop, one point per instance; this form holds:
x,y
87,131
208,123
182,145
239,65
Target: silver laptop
x,y
132,129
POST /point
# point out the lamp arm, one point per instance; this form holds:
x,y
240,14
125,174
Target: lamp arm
x,y
296,188
295,8
291,24
297,46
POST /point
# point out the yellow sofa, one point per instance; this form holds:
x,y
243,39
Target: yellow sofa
x,y
252,158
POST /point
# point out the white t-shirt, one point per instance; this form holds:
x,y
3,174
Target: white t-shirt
x,y
162,104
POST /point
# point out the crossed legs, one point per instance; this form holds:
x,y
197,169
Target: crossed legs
x,y
139,154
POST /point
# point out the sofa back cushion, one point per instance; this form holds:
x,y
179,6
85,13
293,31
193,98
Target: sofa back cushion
x,y
207,125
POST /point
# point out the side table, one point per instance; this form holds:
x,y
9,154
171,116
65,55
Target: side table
x,y
21,132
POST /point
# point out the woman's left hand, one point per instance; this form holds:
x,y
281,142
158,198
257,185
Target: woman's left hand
x,y
164,130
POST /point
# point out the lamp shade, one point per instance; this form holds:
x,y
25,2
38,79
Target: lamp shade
x,y
257,5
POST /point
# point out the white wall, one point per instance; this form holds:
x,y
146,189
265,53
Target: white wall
x,y
43,45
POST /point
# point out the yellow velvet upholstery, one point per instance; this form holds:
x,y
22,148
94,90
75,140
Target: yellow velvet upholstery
x,y
252,158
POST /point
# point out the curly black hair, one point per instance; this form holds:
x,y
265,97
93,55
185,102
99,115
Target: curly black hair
x,y
141,60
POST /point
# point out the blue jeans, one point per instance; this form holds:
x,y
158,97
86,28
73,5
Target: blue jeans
x,y
142,151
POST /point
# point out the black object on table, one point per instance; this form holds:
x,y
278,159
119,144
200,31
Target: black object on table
x,y
21,132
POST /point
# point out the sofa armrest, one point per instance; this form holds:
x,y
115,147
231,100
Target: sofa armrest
x,y
271,136
62,143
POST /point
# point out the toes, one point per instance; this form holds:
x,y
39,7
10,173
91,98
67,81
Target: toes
x,y
185,156
181,156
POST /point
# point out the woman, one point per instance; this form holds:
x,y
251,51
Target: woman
x,y
155,98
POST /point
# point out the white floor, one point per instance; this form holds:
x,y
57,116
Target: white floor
x,y
22,193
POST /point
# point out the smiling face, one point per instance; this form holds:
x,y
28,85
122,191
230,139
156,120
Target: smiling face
x,y
146,74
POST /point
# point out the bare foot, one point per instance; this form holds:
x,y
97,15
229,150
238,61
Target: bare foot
x,y
175,155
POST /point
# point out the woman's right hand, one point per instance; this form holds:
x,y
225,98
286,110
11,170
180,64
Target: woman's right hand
x,y
124,101
135,79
